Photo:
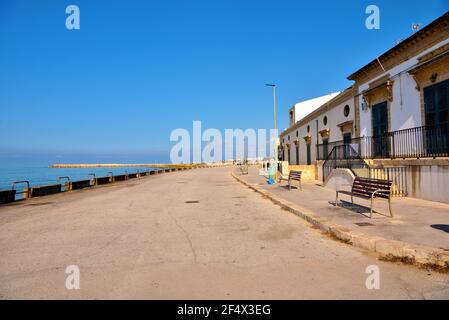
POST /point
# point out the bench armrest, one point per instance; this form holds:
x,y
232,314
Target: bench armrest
x,y
379,191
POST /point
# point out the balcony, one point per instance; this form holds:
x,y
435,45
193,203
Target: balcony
x,y
419,142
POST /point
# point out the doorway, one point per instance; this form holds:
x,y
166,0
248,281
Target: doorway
x,y
309,156
297,154
380,129
436,107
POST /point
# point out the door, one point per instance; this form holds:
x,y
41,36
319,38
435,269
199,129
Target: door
x,y
325,149
380,130
436,107
347,137
309,156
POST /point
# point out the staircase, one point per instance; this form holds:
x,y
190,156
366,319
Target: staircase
x,y
347,157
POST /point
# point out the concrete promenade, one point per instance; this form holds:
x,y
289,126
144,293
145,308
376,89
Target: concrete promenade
x,y
416,223
196,234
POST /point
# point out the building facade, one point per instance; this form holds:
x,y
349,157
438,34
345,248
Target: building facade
x,y
333,121
396,115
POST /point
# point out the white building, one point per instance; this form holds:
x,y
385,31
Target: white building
x,y
302,109
398,120
331,121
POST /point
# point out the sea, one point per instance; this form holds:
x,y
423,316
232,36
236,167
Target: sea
x,y
43,175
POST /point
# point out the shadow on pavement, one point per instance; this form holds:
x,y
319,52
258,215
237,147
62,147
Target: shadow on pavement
x,y
442,227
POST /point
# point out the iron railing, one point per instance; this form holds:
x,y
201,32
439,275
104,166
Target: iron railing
x,y
344,157
396,174
420,142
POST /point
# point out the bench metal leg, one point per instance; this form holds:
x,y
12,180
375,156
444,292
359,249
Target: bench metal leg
x,y
289,185
371,212
389,207
336,198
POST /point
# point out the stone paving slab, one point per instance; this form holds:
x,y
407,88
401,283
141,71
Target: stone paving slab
x,y
419,229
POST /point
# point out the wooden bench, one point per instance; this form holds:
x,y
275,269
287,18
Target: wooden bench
x,y
369,189
292,176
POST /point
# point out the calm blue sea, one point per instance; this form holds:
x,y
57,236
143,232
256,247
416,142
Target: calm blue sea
x,y
41,175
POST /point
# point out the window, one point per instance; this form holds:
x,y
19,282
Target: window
x,y
346,110
325,120
436,104
297,134
308,128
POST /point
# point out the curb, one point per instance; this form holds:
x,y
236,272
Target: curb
x,y
392,250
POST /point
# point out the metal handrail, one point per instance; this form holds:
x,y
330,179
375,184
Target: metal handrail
x,y
66,187
93,181
20,182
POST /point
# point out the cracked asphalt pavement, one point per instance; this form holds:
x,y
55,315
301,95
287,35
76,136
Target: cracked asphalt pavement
x,y
195,234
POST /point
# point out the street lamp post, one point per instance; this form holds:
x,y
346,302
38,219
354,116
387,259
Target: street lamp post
x,y
274,109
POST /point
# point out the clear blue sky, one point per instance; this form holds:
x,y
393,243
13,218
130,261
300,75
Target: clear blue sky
x,y
136,70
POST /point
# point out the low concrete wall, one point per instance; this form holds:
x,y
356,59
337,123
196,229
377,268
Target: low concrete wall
x,y
339,178
427,179
44,190
308,172
7,196
429,183
153,172
103,180
120,177
81,184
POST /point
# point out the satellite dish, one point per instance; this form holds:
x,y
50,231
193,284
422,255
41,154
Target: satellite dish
x,y
416,26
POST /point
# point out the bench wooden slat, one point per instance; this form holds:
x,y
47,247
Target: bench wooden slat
x,y
366,188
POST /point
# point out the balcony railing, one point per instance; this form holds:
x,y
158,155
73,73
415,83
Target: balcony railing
x,y
420,142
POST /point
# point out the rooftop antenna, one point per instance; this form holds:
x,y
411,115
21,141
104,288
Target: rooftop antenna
x,y
416,26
